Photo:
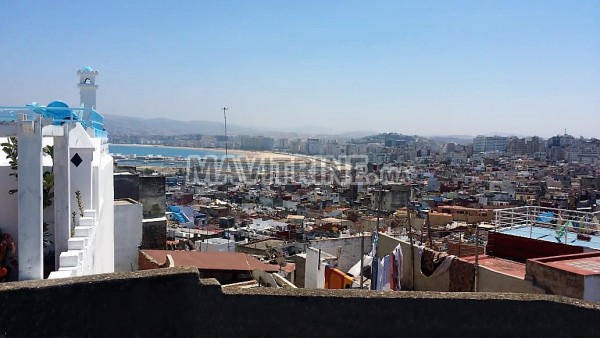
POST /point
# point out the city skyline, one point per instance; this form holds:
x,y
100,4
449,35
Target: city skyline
x,y
443,69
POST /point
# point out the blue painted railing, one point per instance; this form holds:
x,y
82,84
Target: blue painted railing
x,y
59,112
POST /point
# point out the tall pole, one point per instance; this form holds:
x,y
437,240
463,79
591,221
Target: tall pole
x,y
225,117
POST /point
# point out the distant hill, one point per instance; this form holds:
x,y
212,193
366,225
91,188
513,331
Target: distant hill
x,y
125,125
458,139
504,134
382,137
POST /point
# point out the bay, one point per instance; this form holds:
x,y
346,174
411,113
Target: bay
x,y
141,150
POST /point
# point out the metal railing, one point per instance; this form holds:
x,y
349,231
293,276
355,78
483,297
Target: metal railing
x,y
88,117
562,221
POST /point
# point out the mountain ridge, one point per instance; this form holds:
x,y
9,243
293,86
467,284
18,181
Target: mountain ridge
x,y
127,125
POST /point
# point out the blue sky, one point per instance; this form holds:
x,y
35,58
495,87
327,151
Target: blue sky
x,y
415,67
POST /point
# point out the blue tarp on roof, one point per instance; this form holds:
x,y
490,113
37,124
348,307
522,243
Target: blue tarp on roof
x,y
178,214
545,217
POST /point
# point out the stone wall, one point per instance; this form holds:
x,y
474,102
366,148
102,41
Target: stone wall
x,y
151,303
464,249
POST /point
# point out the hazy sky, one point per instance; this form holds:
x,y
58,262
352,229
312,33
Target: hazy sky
x,y
415,67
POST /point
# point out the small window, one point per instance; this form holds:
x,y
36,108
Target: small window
x,y
87,81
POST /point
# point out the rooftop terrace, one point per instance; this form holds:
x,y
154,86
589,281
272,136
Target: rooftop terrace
x,y
570,227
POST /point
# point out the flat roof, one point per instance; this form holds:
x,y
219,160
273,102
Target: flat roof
x,y
505,266
550,235
330,220
125,201
585,264
458,207
264,244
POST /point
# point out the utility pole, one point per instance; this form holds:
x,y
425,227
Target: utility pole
x,y
225,117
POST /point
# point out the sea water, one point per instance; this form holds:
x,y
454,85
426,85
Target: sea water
x,y
158,155
140,150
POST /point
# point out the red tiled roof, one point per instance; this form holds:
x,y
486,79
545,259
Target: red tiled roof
x,y
226,261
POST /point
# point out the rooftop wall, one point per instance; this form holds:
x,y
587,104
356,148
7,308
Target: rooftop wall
x,y
346,249
136,303
521,249
127,234
154,233
152,196
459,277
127,185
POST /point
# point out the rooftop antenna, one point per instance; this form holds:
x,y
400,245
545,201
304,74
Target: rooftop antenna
x,y
225,118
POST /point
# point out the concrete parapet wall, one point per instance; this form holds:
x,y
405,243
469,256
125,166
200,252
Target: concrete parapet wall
x,y
175,303
154,233
555,281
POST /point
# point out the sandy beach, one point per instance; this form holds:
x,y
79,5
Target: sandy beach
x,y
236,152
262,156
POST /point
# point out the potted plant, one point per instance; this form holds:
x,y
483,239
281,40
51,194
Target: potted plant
x,y
7,256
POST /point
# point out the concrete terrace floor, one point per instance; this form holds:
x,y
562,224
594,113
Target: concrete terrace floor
x,y
508,267
549,235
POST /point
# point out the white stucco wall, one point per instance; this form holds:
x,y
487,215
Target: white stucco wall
x,y
91,248
346,249
128,235
421,282
104,252
490,280
290,205
216,246
314,276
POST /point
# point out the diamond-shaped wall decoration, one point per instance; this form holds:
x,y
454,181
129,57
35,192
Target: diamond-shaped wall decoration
x,y
76,160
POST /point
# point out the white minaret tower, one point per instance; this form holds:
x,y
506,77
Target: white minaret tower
x,y
87,87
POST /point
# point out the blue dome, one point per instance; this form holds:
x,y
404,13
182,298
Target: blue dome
x,y
57,104
60,112
87,69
